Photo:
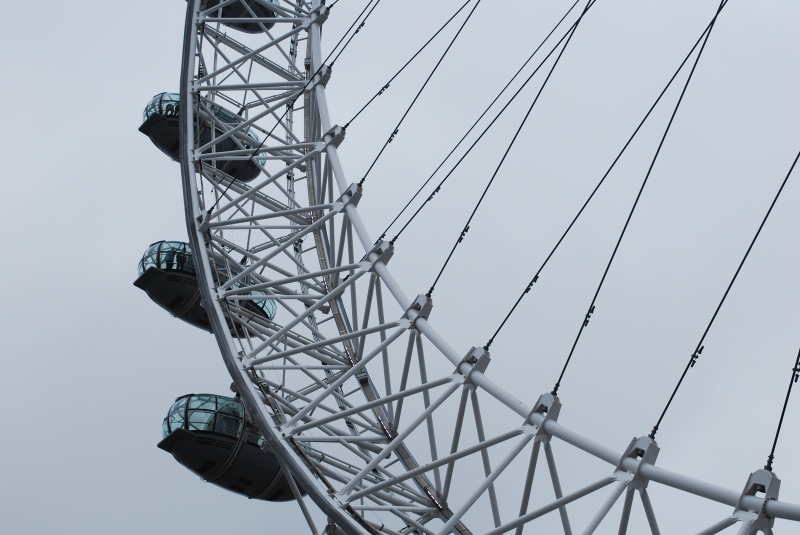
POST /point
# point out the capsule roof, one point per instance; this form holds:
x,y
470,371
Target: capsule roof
x,y
209,413
168,256
168,105
244,9
163,104
177,256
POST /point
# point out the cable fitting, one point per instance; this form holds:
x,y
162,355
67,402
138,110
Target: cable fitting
x,y
535,278
588,316
334,136
760,481
203,222
420,308
477,359
463,234
317,16
434,193
695,356
382,251
321,77
548,407
642,449
350,196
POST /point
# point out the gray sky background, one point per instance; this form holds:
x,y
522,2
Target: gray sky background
x,y
90,365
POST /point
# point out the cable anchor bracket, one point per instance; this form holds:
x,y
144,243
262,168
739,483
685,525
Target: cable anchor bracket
x,y
477,359
321,77
695,356
334,136
420,308
548,407
757,521
350,196
588,317
318,15
644,450
382,252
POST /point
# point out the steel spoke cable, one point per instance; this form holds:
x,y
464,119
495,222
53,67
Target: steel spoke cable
x,y
360,26
421,89
589,313
795,376
597,187
485,130
291,103
386,85
471,128
699,348
505,154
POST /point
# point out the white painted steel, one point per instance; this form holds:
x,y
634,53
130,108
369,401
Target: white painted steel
x,y
307,381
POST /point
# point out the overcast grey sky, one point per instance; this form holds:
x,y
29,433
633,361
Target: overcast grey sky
x,y
90,365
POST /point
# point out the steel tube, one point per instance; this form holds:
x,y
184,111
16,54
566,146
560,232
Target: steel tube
x,y
300,317
369,405
250,54
234,20
487,483
552,506
648,511
551,464
338,382
526,492
300,501
745,529
456,438
719,526
282,213
397,440
778,509
487,467
607,505
626,511
425,328
444,460
323,343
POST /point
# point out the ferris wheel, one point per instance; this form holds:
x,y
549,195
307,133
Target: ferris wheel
x,y
341,401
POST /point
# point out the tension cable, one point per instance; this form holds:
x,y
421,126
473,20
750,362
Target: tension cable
x,y
699,348
360,26
290,105
795,376
485,111
508,149
485,130
386,85
421,89
597,187
589,313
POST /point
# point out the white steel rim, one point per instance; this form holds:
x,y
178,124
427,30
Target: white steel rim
x,y
373,496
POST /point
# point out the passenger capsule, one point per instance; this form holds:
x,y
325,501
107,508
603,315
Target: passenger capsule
x,y
210,435
161,123
167,274
237,10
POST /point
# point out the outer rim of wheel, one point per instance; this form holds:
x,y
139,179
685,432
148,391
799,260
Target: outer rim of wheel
x,y
347,518
250,396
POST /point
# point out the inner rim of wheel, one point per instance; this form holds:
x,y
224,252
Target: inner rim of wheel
x,y
244,170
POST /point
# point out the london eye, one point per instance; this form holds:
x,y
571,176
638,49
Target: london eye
x,y
346,396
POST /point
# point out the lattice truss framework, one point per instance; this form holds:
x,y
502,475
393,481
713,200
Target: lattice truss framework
x,y
350,383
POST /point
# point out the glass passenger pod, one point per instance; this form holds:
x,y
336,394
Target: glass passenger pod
x,y
167,274
210,435
244,9
161,123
